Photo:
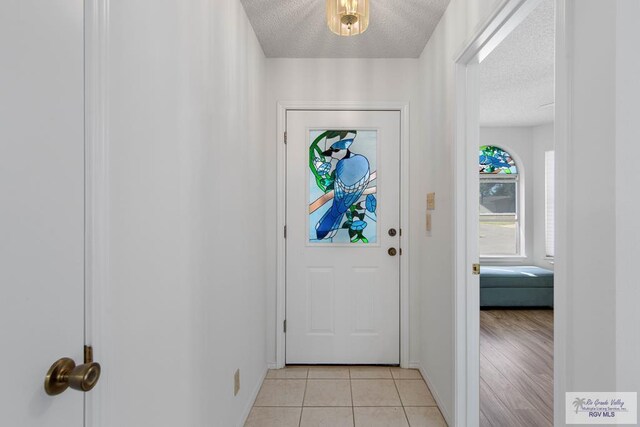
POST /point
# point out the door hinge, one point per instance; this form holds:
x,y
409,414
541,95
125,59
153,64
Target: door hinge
x,y
284,326
476,269
88,354
285,137
285,231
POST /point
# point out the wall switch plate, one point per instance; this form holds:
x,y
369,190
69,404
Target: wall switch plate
x,y
236,382
431,201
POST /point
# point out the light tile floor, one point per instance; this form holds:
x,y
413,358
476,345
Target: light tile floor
x,y
337,396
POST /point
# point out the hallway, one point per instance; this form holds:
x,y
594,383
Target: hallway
x,y
344,396
215,188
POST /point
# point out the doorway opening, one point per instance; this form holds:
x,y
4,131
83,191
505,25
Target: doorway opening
x,y
504,219
516,224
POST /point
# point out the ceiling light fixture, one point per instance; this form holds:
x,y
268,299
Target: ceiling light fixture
x,y
348,17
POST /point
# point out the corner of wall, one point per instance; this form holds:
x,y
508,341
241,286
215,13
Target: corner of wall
x,y
252,398
434,393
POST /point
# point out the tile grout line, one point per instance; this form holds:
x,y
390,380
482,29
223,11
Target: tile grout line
x,y
353,411
304,394
404,411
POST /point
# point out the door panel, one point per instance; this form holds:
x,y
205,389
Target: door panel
x,y
365,286
321,297
343,192
42,206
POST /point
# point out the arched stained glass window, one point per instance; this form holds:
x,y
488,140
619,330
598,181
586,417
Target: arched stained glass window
x,y
500,210
494,160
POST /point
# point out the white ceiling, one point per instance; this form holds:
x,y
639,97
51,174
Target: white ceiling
x,y
298,29
517,78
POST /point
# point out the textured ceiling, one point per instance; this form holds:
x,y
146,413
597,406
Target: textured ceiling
x,y
517,78
298,29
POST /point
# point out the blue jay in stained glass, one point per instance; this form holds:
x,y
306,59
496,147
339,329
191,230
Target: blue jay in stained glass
x,y
495,160
351,179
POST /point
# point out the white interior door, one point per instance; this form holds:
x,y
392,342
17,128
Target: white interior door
x,y
343,219
42,206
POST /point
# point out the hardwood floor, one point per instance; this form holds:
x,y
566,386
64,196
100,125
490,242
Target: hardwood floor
x,y
516,368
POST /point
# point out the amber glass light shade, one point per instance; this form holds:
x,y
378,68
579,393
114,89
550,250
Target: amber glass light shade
x,y
348,17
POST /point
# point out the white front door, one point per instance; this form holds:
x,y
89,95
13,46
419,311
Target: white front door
x,y
343,226
41,207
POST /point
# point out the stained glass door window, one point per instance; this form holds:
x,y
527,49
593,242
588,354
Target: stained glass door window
x,y
343,199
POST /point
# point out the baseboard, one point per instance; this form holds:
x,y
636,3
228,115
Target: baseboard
x,y
252,399
272,365
434,392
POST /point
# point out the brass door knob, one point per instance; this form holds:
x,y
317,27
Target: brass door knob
x,y
392,251
64,374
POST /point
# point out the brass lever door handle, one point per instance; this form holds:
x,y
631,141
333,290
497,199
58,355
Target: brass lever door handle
x,y
64,374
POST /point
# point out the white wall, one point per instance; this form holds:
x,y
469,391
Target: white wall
x,y
185,300
597,215
585,279
374,80
518,141
543,141
434,271
627,204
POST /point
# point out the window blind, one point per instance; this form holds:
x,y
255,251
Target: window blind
x,y
549,166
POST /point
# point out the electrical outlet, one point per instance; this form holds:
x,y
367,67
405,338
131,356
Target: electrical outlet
x,y
236,382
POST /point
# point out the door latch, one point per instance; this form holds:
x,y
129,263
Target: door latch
x,y
476,269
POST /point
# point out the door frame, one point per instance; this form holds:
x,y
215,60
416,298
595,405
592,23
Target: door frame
x,y
506,17
282,108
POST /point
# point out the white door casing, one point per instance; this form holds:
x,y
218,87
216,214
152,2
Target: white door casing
x,y
42,214
342,301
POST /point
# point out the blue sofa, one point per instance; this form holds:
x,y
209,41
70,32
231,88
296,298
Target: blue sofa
x,y
521,286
